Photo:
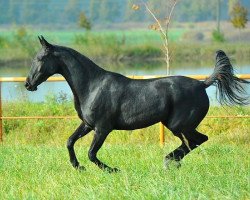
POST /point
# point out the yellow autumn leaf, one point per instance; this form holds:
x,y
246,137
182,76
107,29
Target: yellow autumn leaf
x,y
154,27
135,7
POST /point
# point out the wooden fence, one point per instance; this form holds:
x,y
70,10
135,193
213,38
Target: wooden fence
x,y
57,79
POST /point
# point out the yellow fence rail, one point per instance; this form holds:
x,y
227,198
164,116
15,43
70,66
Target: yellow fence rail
x,y
57,79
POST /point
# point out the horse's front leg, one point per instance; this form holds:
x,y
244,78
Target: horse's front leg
x,y
99,138
81,131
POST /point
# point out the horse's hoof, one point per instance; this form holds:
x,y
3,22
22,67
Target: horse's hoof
x,y
80,168
169,163
113,170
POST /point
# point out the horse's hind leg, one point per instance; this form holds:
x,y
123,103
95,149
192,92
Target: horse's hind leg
x,y
79,132
190,140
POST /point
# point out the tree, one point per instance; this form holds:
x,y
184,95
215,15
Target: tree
x,y
196,10
109,10
94,10
239,16
72,10
218,15
231,4
217,35
84,22
162,26
134,14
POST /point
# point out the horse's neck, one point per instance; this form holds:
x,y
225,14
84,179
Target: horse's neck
x,y
80,73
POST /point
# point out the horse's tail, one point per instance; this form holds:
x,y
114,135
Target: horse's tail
x,y
229,86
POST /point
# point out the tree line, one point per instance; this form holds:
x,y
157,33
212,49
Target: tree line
x,y
67,12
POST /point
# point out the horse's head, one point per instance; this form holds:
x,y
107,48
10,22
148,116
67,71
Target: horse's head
x,y
44,65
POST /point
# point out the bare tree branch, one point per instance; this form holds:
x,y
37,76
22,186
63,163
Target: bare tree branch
x,y
155,18
163,31
170,15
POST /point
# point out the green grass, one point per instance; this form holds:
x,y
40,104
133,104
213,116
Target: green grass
x,y
68,37
215,171
34,162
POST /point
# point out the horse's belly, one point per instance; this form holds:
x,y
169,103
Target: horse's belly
x,y
142,111
135,124
140,119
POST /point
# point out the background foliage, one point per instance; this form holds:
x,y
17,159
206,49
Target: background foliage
x,y
66,12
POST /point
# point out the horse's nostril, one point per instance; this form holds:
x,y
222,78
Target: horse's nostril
x,y
26,84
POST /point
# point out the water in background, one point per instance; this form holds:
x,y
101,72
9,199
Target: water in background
x,y
16,91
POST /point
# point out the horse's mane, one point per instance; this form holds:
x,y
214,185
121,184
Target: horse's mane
x,y
82,59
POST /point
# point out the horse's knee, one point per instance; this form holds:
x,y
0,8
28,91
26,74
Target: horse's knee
x,y
70,143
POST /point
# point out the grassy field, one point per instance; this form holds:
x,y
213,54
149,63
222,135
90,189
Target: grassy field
x,y
215,171
68,37
34,160
116,45
111,45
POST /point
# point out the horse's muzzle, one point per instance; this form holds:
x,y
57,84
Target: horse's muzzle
x,y
29,87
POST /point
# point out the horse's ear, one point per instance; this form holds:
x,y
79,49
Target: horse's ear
x,y
40,39
44,43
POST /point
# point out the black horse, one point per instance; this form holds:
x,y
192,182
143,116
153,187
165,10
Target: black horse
x,y
106,101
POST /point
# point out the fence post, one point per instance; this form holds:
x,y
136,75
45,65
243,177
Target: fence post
x,y
1,121
162,136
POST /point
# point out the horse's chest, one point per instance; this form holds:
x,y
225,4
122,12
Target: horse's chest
x,y
78,108
97,111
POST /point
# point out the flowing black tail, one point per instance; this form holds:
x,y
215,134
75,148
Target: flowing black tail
x,y
229,86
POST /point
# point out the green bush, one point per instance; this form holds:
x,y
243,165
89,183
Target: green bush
x,y
3,42
218,36
143,51
105,40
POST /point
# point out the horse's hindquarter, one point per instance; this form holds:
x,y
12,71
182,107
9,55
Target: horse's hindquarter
x,y
189,105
